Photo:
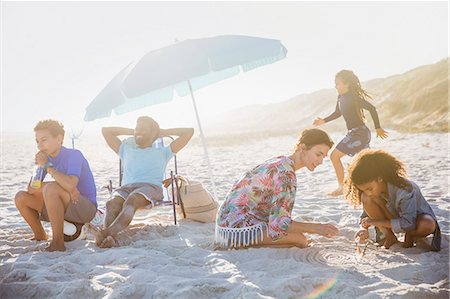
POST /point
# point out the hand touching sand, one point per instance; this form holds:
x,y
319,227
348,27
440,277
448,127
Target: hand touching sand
x,y
362,235
327,230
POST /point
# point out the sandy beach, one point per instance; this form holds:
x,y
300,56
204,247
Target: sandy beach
x,y
160,260
249,76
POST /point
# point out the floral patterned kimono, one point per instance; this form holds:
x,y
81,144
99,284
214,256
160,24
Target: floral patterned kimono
x,y
261,200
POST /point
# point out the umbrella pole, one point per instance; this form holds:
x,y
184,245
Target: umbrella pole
x,y
205,150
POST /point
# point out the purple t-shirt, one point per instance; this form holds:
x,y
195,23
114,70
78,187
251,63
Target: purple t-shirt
x,y
72,162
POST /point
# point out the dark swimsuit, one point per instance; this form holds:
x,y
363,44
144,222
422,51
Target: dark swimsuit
x,y
358,136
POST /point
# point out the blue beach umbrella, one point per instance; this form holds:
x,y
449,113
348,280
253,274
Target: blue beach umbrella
x,y
183,67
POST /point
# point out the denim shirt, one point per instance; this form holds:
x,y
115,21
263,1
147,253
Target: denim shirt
x,y
405,205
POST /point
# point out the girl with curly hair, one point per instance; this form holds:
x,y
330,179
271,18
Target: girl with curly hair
x,y
391,202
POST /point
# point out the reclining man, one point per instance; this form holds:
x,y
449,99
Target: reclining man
x,y
143,171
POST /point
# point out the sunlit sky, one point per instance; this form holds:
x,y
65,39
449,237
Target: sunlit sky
x,y
57,56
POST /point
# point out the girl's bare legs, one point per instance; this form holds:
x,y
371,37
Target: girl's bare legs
x,y
376,209
335,157
425,225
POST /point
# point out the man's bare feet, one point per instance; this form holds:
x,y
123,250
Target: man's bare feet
x,y
108,242
98,234
55,247
337,192
389,241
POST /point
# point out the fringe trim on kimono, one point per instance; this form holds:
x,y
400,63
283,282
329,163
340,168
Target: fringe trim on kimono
x,y
242,236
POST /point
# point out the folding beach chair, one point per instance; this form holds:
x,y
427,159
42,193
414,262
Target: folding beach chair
x,y
171,194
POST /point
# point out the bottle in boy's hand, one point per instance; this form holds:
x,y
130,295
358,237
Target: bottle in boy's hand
x,y
38,176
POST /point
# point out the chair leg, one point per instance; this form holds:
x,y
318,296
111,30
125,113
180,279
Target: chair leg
x,y
173,198
179,199
110,188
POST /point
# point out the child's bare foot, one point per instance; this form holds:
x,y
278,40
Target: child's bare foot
x,y
306,244
39,238
389,241
409,241
55,247
98,234
337,192
108,242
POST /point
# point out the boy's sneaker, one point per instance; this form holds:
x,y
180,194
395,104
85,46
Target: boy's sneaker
x,y
71,230
98,218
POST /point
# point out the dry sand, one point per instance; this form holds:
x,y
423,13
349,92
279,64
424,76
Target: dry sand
x,y
160,260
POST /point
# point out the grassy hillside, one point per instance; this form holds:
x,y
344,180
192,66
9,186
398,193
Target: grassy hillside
x,y
416,101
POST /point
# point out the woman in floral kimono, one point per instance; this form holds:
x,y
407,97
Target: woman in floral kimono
x,y
257,209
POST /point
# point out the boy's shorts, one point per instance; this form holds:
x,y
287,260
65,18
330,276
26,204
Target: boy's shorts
x,y
151,192
81,212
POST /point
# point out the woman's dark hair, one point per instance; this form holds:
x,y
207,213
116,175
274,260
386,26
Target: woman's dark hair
x,y
369,165
311,137
354,85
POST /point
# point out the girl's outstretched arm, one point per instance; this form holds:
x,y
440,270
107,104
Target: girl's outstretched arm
x,y
320,121
373,112
337,113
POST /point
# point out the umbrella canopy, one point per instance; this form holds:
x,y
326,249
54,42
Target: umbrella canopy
x,y
182,68
200,62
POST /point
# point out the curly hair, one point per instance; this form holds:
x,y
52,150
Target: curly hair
x,y
53,126
369,165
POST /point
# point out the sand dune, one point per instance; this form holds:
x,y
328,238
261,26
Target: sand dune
x,y
416,101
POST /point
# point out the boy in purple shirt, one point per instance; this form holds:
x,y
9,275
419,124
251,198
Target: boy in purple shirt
x,y
72,194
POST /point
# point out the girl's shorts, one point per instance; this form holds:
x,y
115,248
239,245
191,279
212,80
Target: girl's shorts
x,y
355,141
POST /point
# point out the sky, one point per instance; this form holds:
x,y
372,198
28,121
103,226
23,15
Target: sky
x,y
57,56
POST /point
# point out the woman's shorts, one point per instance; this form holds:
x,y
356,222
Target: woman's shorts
x,y
355,141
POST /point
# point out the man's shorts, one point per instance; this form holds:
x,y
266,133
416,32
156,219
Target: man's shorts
x,y
355,141
151,192
81,212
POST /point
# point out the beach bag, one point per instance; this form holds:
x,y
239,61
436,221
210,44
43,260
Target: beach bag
x,y
197,202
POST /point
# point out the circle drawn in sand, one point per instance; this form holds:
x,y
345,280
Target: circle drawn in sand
x,y
331,255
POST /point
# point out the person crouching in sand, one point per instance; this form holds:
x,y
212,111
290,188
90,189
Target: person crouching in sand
x,y
391,202
71,196
260,203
